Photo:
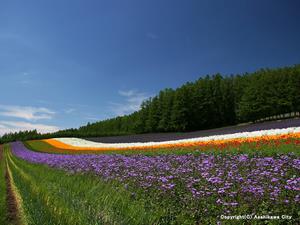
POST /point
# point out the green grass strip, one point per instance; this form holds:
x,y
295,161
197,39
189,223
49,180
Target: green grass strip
x,y
42,146
52,196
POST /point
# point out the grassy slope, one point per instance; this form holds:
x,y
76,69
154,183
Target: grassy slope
x,y
51,196
41,146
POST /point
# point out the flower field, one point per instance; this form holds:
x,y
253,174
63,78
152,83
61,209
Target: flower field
x,y
149,112
198,181
237,141
81,144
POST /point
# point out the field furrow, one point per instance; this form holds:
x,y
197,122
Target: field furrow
x,y
3,208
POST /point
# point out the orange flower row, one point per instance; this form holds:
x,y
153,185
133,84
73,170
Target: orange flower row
x,y
216,143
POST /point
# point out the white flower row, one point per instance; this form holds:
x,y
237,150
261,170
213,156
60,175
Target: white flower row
x,y
78,142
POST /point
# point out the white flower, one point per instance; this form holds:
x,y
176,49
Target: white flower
x,y
78,142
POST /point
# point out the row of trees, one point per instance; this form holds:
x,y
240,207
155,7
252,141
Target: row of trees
x,y
20,136
209,102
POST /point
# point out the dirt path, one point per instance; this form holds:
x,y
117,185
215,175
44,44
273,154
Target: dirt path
x,y
11,203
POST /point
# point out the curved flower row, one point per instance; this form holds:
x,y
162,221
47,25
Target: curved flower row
x,y
273,134
228,180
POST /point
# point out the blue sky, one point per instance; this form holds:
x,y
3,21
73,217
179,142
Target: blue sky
x,y
64,63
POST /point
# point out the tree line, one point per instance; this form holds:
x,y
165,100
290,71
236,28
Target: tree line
x,y
209,102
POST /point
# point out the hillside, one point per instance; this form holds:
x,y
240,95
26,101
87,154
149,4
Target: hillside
x,y
210,102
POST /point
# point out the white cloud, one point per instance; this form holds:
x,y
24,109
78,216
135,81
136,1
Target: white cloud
x,y
26,112
152,35
92,118
133,101
69,111
127,93
26,79
15,126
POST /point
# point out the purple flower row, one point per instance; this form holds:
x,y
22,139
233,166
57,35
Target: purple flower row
x,y
225,178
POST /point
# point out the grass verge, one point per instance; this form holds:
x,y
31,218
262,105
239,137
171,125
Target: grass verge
x,y
51,196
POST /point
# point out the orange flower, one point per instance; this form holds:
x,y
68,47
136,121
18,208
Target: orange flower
x,y
212,143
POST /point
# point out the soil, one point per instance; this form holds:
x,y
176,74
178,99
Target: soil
x,y
12,216
202,133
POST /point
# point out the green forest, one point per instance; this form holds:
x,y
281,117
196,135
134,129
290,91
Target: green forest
x,y
211,101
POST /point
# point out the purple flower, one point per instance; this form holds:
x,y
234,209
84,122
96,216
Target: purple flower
x,y
225,177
